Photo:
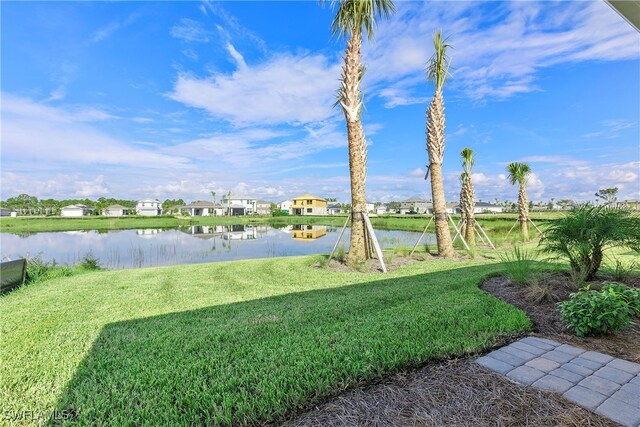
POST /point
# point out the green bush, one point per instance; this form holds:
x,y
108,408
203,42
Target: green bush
x,y
520,265
629,295
589,312
38,270
584,234
90,262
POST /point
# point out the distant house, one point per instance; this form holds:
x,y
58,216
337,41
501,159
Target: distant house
x,y
416,205
452,207
5,212
239,205
371,207
115,210
309,205
334,209
263,207
203,208
483,207
381,210
75,210
149,207
285,206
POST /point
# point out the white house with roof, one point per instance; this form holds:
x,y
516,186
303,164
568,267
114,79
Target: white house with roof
x,y
5,212
149,207
115,210
239,205
285,206
334,208
75,210
381,210
203,208
263,207
415,204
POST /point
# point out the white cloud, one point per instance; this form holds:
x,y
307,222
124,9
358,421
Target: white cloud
x,y
611,129
95,188
493,58
40,133
191,31
417,172
284,89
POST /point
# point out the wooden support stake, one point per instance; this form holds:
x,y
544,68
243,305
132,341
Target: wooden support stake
x,y
511,229
485,235
461,238
534,224
421,236
344,227
376,246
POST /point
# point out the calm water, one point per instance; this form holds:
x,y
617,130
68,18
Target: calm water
x,y
153,247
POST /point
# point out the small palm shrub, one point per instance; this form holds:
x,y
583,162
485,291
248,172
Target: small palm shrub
x,y
584,234
589,312
629,295
520,265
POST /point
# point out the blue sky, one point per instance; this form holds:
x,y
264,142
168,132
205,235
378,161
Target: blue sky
x,y
177,99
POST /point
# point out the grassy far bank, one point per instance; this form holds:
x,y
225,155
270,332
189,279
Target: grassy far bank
x,y
241,342
496,225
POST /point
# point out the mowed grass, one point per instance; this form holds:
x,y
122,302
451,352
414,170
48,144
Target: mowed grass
x,y
246,342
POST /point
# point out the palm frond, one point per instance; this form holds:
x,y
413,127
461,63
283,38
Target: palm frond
x,y
438,65
518,172
468,160
354,16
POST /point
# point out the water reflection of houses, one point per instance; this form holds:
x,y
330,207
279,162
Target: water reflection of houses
x,y
240,232
308,232
204,231
148,232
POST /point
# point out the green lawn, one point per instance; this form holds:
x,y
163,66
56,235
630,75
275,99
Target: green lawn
x,y
244,342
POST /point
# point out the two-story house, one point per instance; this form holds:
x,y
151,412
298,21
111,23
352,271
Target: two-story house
x,y
309,205
149,207
239,205
263,207
417,205
285,206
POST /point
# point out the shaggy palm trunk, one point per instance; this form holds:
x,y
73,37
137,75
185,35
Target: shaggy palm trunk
x,y
467,199
523,208
435,148
358,251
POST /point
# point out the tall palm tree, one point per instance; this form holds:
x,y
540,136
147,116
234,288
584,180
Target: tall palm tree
x,y
438,71
213,193
519,173
352,18
467,196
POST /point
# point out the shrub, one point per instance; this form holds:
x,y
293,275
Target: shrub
x,y
39,270
590,312
629,295
584,234
90,262
341,254
520,265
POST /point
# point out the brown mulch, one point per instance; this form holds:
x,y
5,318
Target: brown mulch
x,y
373,265
538,301
452,393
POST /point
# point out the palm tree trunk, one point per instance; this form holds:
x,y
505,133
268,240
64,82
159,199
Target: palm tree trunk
x,y
351,105
435,148
523,207
469,207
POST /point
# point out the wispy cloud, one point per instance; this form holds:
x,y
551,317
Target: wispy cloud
x,y
611,129
37,132
106,31
191,31
493,58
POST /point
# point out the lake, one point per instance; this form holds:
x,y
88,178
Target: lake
x,y
117,249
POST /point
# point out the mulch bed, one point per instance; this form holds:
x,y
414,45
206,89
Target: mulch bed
x,y
539,303
452,393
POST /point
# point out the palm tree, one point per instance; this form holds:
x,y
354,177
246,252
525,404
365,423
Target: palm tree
x,y
351,19
438,71
519,173
467,196
213,193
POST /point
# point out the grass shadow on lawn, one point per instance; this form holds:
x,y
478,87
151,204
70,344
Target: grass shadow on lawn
x,y
263,360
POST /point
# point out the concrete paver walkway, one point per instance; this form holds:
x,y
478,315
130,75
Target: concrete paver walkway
x,y
595,381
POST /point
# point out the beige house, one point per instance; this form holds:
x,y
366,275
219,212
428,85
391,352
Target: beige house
x,y
203,208
263,207
115,210
309,205
75,210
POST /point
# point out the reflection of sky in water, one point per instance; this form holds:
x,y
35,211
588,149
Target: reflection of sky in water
x,y
153,247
